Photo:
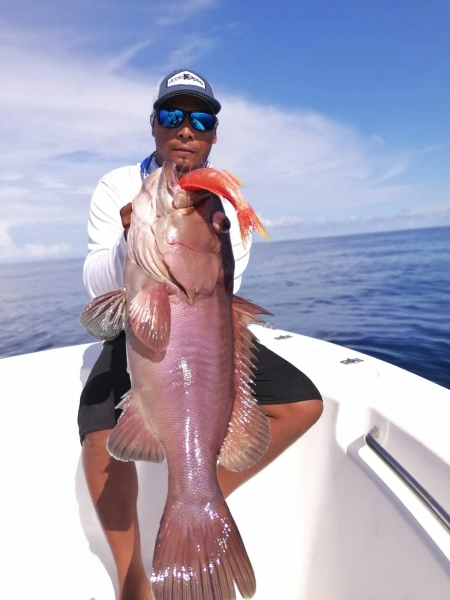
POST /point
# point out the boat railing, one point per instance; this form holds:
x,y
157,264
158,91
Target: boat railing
x,y
420,492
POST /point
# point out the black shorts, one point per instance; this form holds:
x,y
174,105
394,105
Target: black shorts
x,y
276,381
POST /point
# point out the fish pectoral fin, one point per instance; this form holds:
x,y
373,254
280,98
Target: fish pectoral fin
x,y
133,438
149,316
248,433
103,317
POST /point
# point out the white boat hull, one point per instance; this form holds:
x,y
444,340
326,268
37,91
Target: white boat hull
x,y
328,520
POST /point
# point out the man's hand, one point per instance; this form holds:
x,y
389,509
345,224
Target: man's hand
x,y
125,215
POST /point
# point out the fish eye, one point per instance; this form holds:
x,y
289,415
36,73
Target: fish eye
x,y
225,226
220,222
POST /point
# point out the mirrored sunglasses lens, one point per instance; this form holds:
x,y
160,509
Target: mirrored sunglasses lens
x,y
202,121
170,118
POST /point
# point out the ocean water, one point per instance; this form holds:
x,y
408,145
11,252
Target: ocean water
x,y
384,294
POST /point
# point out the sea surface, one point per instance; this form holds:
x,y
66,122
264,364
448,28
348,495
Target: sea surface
x,y
384,294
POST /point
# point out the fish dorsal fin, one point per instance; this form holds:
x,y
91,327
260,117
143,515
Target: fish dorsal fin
x,y
248,433
103,317
133,438
150,317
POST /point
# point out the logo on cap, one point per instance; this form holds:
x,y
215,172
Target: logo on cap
x,y
186,78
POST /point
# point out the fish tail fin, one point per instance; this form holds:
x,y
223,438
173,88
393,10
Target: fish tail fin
x,y
200,555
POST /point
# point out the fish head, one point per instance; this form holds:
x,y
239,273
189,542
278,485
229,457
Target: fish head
x,y
181,237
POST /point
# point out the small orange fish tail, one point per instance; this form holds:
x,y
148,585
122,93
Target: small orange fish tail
x,y
226,185
248,222
199,555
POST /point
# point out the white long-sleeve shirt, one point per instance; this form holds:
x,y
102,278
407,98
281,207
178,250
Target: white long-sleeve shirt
x,y
105,262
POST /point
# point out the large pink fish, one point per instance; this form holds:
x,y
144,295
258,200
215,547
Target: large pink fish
x,y
190,360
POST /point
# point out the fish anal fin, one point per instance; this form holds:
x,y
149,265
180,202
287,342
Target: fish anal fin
x,y
103,317
149,316
132,438
199,555
248,433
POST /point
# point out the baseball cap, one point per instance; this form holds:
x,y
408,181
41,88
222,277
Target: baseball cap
x,y
184,81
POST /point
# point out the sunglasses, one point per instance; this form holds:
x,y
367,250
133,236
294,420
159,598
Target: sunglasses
x,y
174,117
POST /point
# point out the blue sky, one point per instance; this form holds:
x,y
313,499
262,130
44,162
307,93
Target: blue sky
x,y
335,114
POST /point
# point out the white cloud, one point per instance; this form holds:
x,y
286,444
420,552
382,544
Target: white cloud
x,y
6,241
51,183
300,162
71,117
434,209
10,192
377,139
176,11
189,51
422,216
74,109
123,58
11,177
390,173
40,250
282,222
9,250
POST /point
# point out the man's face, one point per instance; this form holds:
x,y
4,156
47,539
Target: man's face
x,y
188,148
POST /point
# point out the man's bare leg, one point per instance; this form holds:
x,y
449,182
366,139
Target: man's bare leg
x,y
287,422
113,487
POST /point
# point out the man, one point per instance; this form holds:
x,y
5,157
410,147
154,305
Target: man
x,y
184,125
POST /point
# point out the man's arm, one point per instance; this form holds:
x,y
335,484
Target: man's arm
x,y
104,264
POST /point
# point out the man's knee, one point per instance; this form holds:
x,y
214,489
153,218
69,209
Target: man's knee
x,y
300,415
313,409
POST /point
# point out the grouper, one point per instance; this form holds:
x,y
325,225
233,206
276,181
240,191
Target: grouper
x,y
190,357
